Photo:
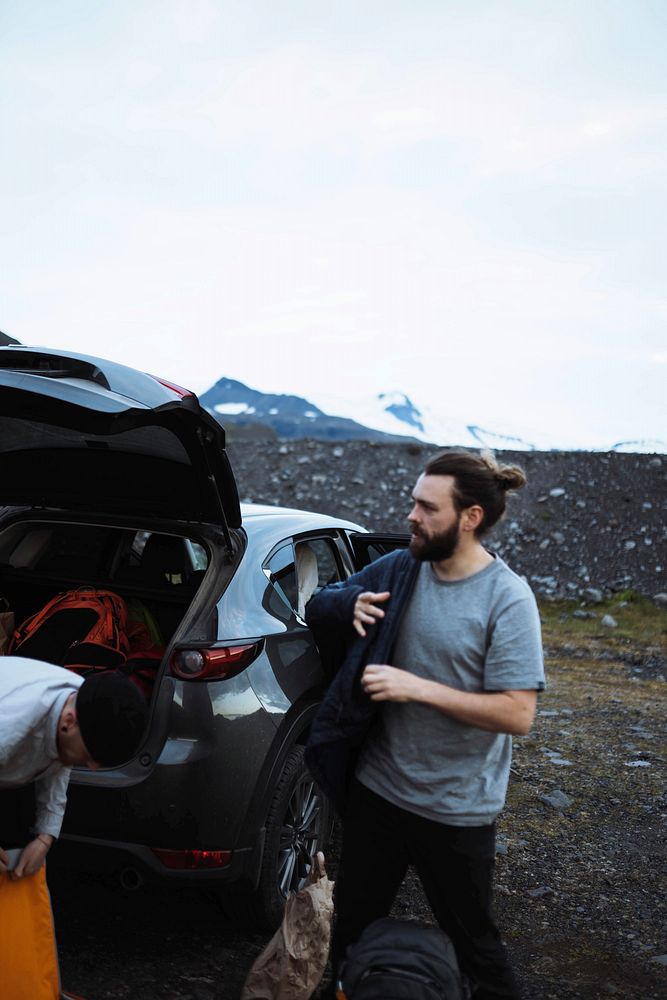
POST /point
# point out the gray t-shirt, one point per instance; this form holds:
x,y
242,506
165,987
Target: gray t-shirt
x,y
481,633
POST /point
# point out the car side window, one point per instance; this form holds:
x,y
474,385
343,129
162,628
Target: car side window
x,y
298,571
282,572
316,566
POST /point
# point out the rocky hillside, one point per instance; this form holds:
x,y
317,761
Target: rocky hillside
x,y
587,525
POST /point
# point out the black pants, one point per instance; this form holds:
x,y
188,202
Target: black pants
x,y
455,865
17,815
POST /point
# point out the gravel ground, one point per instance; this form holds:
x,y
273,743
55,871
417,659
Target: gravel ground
x,y
582,853
582,858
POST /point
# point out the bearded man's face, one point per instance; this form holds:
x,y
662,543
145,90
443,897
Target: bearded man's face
x,y
434,520
437,546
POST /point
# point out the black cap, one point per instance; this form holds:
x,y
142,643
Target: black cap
x,y
112,715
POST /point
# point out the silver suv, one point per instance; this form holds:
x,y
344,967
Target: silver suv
x,y
116,480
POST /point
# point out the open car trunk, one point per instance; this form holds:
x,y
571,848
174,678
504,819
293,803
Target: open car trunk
x,y
89,450
158,576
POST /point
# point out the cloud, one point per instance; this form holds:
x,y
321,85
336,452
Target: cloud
x,y
192,20
460,201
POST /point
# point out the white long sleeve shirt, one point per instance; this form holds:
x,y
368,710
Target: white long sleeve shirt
x,y
32,696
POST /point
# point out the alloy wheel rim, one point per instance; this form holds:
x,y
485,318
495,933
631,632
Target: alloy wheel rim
x,y
300,834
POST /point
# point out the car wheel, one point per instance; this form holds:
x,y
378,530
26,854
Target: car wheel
x,y
298,824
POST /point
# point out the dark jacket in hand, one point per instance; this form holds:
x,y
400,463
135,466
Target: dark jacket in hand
x,y
347,712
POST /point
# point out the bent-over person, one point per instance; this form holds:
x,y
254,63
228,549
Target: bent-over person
x,y
51,720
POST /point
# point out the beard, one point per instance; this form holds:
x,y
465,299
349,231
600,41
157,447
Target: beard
x,y
435,548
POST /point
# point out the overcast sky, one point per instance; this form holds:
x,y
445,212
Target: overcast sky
x,y
462,200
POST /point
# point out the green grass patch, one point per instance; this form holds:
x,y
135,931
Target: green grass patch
x,y
639,622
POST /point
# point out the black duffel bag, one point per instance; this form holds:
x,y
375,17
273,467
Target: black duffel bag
x,y
401,960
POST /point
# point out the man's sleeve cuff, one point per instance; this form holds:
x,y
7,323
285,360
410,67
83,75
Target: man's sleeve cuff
x,y
48,822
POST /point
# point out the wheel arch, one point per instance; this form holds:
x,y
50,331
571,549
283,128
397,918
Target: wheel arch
x,y
293,731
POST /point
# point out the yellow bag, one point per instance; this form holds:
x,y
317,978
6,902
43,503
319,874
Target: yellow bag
x,y
28,956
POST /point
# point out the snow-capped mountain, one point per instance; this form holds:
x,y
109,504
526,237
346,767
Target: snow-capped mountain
x,y
395,413
385,416
286,416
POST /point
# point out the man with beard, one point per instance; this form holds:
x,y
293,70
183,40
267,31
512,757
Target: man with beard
x,y
413,740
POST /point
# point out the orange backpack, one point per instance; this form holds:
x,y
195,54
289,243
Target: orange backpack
x,y
79,629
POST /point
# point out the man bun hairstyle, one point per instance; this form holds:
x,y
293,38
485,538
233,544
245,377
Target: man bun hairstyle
x,y
478,480
509,477
112,715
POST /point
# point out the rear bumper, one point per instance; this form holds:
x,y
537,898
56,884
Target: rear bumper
x,y
117,857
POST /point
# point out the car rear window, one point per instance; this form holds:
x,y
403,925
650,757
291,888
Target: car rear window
x,y
60,548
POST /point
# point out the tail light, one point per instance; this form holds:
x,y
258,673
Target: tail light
x,y
215,664
192,860
178,389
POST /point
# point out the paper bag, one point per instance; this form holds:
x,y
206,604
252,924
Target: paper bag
x,y
292,964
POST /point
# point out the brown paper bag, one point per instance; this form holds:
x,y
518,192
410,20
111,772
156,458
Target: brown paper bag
x,y
6,625
292,964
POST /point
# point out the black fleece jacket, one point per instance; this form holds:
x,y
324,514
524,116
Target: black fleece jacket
x,y
347,712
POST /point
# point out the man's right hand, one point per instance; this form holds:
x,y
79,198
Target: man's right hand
x,y
365,610
32,857
4,860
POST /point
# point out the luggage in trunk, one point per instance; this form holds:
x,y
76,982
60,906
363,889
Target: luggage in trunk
x,y
79,628
89,597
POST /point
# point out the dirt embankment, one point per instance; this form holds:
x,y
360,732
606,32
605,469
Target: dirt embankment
x,y
587,524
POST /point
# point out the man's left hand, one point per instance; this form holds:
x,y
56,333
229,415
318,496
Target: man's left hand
x,y
385,683
32,857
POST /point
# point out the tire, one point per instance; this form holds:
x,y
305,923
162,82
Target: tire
x,y
298,824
